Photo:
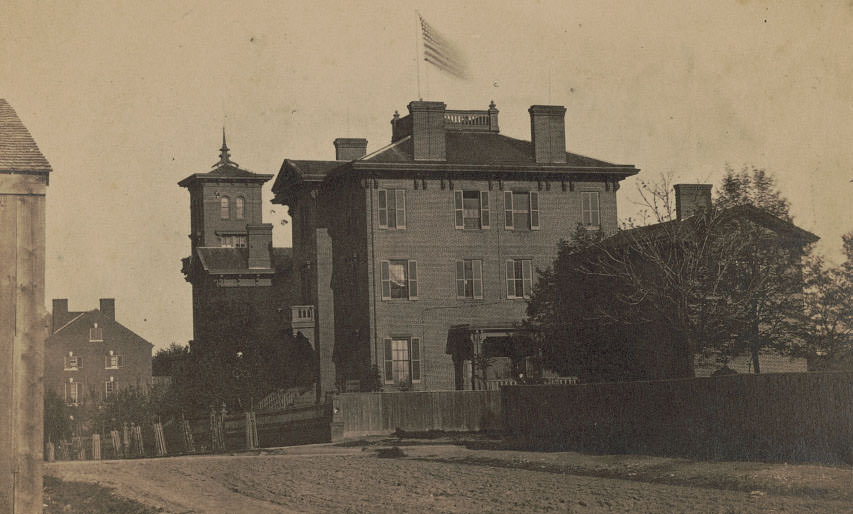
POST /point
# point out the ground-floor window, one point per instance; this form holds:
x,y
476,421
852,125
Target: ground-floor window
x,y
110,388
402,360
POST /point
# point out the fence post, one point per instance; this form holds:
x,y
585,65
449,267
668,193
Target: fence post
x,y
159,440
186,431
251,431
96,446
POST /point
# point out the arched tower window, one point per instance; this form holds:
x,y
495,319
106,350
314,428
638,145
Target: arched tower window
x,y
224,208
238,208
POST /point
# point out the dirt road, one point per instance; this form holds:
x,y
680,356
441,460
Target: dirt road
x,y
449,478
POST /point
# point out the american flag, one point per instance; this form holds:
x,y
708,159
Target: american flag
x,y
441,53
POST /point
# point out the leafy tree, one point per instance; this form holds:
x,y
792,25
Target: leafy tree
x,y
715,280
827,320
57,423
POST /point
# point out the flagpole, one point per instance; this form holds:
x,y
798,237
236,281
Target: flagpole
x,y
418,50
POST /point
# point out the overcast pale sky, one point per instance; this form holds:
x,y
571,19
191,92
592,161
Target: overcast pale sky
x,y
125,99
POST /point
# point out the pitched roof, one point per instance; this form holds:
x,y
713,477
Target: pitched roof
x,y
18,149
479,148
95,315
228,261
754,214
226,172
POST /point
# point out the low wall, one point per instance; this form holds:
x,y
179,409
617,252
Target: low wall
x,y
791,417
359,414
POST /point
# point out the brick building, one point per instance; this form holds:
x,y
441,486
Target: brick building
x,y
89,355
240,283
418,256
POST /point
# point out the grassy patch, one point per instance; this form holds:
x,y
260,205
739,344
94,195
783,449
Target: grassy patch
x,y
84,498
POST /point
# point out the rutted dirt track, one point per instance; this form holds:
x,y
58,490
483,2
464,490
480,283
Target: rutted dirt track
x,y
448,478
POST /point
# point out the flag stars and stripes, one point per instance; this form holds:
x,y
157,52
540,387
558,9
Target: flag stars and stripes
x,y
441,53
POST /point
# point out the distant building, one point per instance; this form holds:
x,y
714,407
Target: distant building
x,y
241,284
414,258
90,356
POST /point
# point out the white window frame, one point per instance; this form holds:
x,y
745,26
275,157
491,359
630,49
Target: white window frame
x,y
233,241
484,212
385,210
239,208
532,211
73,362
475,280
414,352
224,208
72,398
512,279
411,278
110,387
593,212
109,358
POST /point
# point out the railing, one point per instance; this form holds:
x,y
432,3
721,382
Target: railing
x,y
496,384
476,120
302,313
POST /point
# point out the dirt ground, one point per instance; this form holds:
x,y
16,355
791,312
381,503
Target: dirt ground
x,y
439,476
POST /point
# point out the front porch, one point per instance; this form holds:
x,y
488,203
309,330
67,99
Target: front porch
x,y
488,356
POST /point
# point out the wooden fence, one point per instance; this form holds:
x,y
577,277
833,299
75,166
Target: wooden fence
x,y
359,414
790,417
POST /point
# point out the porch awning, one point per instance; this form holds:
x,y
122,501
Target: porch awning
x,y
496,339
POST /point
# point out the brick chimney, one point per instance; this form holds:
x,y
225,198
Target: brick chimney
x,y
548,133
108,308
691,198
59,316
260,245
427,119
350,149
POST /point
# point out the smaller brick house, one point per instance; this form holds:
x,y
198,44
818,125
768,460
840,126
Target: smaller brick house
x,y
90,356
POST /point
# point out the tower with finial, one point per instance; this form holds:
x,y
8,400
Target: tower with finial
x,y
232,264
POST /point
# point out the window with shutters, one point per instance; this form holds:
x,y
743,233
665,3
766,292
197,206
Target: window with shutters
x,y
471,210
73,362
399,279
521,210
224,208
72,393
469,279
402,360
519,278
113,361
110,387
392,208
96,334
589,209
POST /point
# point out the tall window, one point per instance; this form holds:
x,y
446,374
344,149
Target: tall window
x,y
589,207
96,333
110,387
224,208
471,209
399,279
402,360
469,279
519,278
72,393
113,361
521,210
392,208
239,208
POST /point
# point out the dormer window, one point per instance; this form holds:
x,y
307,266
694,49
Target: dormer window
x,y
224,208
96,333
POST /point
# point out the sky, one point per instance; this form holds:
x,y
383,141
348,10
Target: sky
x,y
127,98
